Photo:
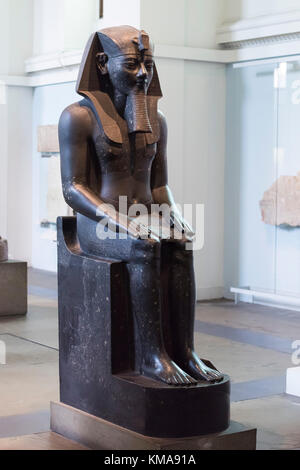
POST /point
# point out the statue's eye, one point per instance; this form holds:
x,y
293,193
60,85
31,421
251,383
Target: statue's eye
x,y
131,64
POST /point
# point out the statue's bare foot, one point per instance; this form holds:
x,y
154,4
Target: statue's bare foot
x,y
163,369
197,369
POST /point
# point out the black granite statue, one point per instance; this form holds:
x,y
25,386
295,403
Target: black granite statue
x,y
113,144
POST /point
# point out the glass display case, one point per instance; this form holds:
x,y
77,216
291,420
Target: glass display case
x,y
262,179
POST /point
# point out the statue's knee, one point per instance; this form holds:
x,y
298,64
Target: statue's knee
x,y
146,250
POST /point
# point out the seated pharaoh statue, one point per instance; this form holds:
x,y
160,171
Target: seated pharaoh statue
x,y
114,148
126,283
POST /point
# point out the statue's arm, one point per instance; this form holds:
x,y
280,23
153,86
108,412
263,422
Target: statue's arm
x,y
74,135
161,192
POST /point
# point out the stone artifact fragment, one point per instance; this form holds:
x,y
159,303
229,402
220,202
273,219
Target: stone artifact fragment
x,y
3,250
48,139
13,288
281,203
126,290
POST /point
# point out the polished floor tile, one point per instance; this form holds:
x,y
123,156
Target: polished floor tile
x,y
41,441
39,325
274,321
277,419
242,362
29,380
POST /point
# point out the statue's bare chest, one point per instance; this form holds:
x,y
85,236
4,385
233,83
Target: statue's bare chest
x,y
130,158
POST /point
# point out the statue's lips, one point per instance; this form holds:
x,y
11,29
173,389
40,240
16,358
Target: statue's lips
x,y
142,83
142,80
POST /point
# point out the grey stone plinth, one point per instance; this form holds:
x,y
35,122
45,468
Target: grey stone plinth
x,y
97,434
13,288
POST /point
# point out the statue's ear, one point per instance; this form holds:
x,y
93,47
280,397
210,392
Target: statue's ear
x,y
102,59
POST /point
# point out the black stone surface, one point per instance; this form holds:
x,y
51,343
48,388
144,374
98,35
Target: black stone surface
x,y
96,336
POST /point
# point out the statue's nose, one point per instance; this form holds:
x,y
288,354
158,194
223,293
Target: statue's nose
x,y
142,73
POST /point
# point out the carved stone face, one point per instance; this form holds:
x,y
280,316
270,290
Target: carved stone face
x,y
127,61
118,75
128,73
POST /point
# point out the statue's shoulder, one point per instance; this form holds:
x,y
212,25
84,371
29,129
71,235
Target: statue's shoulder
x,y
161,117
162,123
76,119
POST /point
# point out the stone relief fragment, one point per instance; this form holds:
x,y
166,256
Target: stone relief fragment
x,y
281,203
48,139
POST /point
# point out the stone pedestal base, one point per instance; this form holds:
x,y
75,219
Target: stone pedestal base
x,y
13,288
97,354
97,434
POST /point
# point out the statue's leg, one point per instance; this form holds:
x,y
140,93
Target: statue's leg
x,y
180,294
142,258
145,295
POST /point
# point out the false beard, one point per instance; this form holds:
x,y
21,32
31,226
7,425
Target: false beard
x,y
136,112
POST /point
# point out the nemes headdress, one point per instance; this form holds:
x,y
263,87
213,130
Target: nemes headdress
x,y
116,41
124,40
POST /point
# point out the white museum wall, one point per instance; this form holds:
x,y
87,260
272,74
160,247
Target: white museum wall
x,y
61,25
4,34
17,21
79,21
19,173
16,25
203,167
249,23
117,12
4,69
182,23
48,26
202,18
3,162
245,9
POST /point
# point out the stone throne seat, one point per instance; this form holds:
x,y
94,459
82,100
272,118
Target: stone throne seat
x,y
98,371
